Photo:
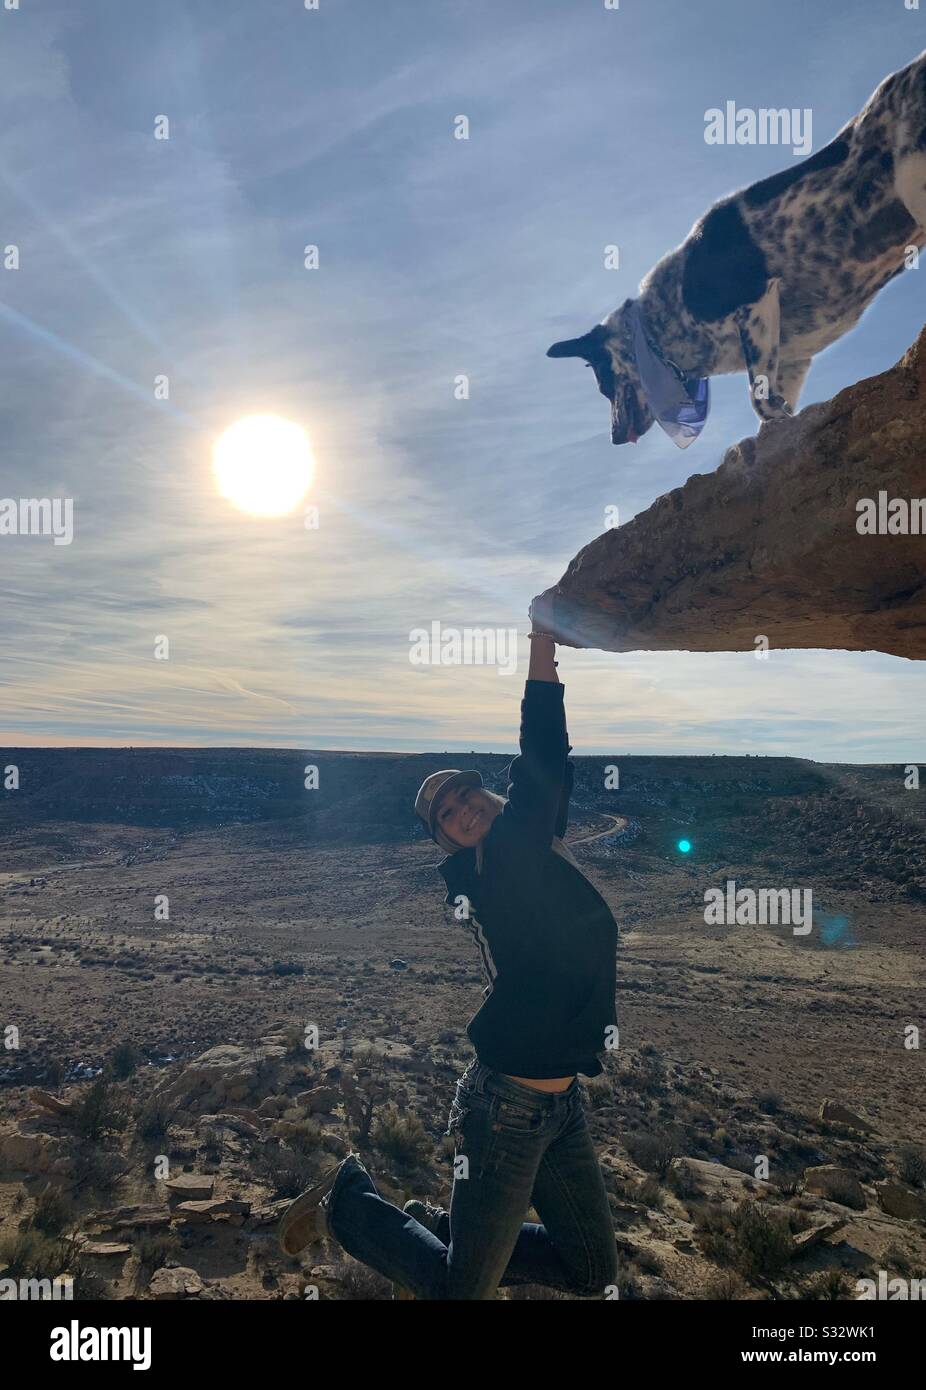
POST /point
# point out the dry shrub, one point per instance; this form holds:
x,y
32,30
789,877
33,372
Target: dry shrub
x,y
654,1152
402,1138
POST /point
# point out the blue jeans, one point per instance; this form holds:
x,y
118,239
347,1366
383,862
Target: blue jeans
x,y
515,1147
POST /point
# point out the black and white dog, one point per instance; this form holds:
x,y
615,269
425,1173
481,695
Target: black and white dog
x,y
772,274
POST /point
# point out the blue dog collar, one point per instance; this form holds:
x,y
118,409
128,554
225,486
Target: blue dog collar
x,y
679,403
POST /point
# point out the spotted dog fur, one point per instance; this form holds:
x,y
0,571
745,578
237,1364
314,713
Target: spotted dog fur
x,y
775,273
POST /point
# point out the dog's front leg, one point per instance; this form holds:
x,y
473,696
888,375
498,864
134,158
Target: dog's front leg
x,y
791,378
759,328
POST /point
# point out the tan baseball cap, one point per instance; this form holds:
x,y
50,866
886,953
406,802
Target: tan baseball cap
x,y
430,793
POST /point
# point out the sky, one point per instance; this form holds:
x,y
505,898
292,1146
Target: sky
x,y
438,257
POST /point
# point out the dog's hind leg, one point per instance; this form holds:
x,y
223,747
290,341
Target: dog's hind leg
x,y
791,378
908,142
759,328
910,183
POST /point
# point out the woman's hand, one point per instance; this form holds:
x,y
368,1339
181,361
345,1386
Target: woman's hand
x,y
540,614
544,619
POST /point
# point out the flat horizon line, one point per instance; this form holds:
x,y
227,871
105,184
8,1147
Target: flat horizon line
x,y
402,753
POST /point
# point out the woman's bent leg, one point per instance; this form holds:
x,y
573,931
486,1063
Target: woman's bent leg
x,y
385,1238
572,1248
498,1173
491,1193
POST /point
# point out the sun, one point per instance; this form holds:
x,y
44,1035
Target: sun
x,y
263,465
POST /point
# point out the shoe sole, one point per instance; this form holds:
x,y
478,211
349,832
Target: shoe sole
x,y
289,1238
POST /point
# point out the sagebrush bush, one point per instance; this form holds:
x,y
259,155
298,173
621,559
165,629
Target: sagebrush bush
x,y
153,1252
100,1111
654,1152
52,1212
402,1138
300,1132
358,1282
911,1165
896,1257
97,1168
123,1061
751,1240
725,1287
30,1254
284,1170
154,1118
828,1284
762,1241
649,1192
598,1090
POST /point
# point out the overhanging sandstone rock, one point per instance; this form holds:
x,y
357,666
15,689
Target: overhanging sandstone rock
x,y
768,544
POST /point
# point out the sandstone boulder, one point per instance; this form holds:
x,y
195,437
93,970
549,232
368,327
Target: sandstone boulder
x,y
150,1215
836,1184
191,1187
233,1122
175,1283
808,1240
269,1214
833,1113
222,1075
897,1199
52,1105
718,1180
768,545
319,1098
33,1152
200,1213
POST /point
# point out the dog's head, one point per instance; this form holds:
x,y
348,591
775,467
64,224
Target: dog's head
x,y
608,350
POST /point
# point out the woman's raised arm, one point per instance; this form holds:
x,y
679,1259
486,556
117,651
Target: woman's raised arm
x,y
537,774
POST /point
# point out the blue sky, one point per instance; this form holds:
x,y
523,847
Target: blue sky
x,y
437,257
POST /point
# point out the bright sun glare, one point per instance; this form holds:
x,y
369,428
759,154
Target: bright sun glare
x,y
263,465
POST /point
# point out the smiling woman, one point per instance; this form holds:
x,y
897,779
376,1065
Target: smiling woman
x,y
263,464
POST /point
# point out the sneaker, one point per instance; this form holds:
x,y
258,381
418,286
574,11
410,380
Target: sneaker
x,y
306,1219
426,1213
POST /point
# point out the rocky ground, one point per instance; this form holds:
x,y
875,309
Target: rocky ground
x,y
163,1175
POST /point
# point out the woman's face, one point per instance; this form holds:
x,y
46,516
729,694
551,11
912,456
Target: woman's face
x,y
465,814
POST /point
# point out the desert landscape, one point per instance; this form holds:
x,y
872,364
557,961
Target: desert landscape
x,y
175,922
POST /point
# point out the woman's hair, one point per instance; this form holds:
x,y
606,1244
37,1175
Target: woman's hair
x,y
500,802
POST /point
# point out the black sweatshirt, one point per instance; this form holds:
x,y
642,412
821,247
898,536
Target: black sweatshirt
x,y
546,935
